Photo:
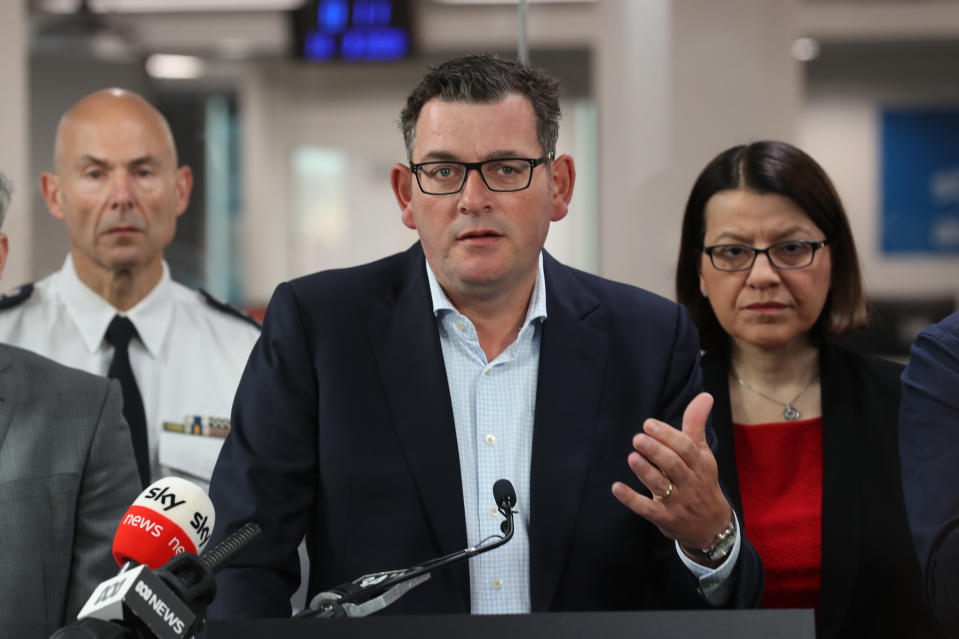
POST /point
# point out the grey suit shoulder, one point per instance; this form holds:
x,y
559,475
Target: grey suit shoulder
x,y
66,477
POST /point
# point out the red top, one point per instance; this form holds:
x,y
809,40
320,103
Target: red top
x,y
780,480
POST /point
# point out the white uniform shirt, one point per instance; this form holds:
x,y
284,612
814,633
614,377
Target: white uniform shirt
x,y
187,362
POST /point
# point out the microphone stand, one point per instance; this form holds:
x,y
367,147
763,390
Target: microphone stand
x,y
373,592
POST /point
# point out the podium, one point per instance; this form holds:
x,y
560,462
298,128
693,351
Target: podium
x,y
708,624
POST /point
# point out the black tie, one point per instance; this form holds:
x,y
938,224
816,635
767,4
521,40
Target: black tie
x,y
119,333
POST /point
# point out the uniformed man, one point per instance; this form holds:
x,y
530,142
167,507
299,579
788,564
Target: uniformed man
x,y
112,309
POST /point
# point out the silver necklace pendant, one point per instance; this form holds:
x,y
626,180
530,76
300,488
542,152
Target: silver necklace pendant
x,y
790,414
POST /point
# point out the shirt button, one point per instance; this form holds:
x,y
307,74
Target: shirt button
x,y
490,440
488,371
497,583
460,325
493,510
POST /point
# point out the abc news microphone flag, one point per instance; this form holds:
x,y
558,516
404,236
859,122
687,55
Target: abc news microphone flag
x,y
170,516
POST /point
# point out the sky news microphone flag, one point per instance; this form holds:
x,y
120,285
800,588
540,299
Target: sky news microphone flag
x,y
170,516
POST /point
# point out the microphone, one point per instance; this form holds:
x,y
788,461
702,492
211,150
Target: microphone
x,y
373,592
505,498
169,603
169,520
169,517
191,577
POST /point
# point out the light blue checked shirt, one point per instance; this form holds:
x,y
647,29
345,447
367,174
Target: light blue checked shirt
x,y
493,410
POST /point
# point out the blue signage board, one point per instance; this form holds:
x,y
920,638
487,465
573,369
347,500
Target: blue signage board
x,y
920,181
352,30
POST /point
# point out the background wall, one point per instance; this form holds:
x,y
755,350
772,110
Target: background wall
x,y
654,90
847,88
14,131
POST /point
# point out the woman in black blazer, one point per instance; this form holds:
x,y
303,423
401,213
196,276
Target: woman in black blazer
x,y
807,430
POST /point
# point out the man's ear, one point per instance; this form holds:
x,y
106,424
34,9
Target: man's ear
x,y
402,182
184,186
50,186
563,172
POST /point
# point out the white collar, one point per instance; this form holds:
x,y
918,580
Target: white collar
x,y
535,310
92,314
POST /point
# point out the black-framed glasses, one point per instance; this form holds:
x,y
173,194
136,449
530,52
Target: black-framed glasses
x,y
782,255
501,174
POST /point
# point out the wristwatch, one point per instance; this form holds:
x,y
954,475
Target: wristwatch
x,y
720,548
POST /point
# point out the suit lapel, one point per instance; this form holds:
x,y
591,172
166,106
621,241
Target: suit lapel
x,y
8,385
841,515
715,382
409,358
571,365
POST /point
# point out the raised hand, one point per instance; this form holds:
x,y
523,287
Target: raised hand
x,y
681,473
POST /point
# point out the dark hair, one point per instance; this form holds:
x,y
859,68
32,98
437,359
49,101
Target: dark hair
x,y
485,78
772,167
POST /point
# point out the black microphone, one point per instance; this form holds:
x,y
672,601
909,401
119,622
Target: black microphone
x,y
191,578
373,592
169,603
505,498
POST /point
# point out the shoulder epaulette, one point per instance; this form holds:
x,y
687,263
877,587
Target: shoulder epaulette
x,y
229,309
16,297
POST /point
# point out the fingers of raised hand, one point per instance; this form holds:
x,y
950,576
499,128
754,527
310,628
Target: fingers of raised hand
x,y
671,450
651,476
695,416
650,509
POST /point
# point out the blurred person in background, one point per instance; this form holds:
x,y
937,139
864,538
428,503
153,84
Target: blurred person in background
x,y
113,309
67,475
929,450
807,429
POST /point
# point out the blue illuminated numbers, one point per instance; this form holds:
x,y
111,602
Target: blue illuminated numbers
x,y
332,16
365,35
387,43
372,13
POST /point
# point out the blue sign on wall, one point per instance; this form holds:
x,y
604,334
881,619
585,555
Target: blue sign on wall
x,y
352,30
920,181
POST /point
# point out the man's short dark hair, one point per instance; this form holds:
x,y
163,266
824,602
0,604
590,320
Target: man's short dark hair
x,y
485,78
772,167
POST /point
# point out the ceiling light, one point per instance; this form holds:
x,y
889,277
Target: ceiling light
x,y
805,49
174,67
166,6
507,2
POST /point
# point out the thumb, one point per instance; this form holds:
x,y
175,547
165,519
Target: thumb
x,y
694,418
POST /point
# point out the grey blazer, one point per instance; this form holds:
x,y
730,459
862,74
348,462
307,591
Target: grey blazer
x,y
67,475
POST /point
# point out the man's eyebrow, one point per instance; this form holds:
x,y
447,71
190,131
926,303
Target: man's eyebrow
x,y
143,159
92,159
439,156
446,156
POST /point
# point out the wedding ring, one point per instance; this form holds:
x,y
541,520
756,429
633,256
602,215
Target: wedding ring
x,y
669,491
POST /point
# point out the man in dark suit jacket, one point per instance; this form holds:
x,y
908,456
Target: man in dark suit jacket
x,y
66,476
382,400
929,449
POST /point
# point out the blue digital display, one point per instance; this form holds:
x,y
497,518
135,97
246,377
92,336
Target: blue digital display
x,y
353,30
920,181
